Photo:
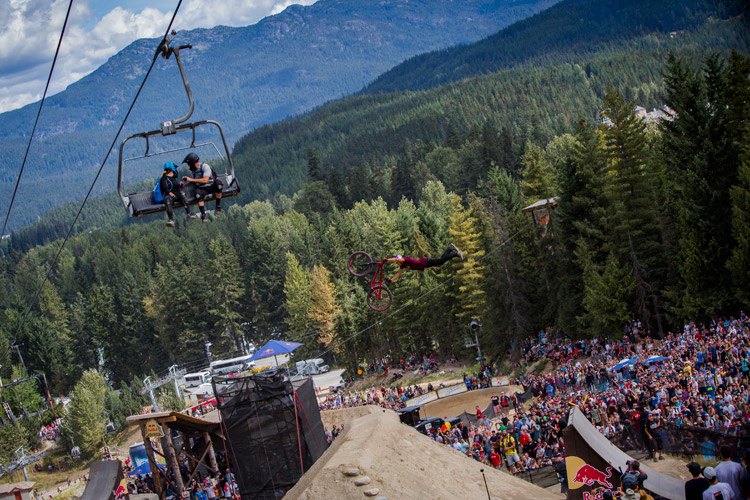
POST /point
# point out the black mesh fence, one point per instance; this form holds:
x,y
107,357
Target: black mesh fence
x,y
274,433
685,440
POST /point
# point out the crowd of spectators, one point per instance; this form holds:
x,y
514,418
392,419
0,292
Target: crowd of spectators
x,y
50,432
219,486
687,392
392,398
694,382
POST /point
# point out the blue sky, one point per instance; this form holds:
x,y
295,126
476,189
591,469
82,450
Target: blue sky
x,y
97,29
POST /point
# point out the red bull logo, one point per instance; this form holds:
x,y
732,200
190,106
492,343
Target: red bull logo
x,y
589,475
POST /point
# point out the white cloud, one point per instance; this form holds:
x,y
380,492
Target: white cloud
x,y
32,30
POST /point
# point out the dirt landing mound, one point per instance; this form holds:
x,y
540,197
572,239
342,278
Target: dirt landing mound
x,y
403,464
346,415
453,406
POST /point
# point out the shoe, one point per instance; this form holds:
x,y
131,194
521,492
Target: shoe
x,y
170,223
218,211
191,215
459,252
656,459
204,219
661,458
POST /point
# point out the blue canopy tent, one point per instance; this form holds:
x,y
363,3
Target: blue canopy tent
x,y
274,348
625,362
144,469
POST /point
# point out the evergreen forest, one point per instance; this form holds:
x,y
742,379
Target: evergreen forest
x,y
651,220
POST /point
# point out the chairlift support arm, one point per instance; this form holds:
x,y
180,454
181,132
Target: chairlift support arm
x,y
166,50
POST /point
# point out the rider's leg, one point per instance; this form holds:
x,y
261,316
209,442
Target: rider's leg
x,y
447,255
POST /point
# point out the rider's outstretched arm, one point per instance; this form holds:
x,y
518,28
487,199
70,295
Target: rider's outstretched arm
x,y
398,274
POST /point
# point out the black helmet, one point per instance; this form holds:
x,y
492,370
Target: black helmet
x,y
191,158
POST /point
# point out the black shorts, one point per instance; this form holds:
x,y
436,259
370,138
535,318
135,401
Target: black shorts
x,y
201,192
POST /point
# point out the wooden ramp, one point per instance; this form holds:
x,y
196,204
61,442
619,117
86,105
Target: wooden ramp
x,y
591,456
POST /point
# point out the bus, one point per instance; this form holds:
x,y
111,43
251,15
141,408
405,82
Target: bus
x,y
198,378
234,365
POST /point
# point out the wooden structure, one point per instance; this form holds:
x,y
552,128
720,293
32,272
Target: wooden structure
x,y
17,491
197,439
592,461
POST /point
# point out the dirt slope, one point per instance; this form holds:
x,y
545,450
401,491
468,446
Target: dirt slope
x,y
455,405
345,416
403,464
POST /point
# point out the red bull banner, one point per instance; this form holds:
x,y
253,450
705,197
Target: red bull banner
x,y
594,478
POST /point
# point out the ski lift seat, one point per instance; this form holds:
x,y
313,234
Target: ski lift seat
x,y
140,204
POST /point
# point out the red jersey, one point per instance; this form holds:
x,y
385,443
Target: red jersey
x,y
415,264
495,459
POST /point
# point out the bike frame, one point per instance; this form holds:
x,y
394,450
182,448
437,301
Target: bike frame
x,y
375,284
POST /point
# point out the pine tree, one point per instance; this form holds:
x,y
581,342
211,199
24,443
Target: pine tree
x,y
225,289
297,302
607,295
313,166
579,212
631,220
323,307
701,164
538,179
84,416
739,263
470,300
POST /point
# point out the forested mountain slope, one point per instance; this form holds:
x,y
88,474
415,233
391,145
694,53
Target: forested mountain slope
x,y
367,131
571,31
242,77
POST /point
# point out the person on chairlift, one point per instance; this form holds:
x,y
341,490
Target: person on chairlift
x,y
207,183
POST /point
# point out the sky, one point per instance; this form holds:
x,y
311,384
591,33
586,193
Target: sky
x,y
97,30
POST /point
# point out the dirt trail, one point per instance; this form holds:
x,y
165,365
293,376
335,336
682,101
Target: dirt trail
x,y
402,463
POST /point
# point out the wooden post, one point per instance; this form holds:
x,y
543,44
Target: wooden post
x,y
172,458
211,455
152,463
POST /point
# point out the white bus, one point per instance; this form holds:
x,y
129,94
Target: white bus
x,y
198,378
234,365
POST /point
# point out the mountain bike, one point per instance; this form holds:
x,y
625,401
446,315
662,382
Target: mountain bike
x,y
360,264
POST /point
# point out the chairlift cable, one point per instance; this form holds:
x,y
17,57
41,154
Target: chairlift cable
x,y
98,173
38,113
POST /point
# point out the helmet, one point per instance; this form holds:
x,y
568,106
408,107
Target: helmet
x,y
170,166
191,158
397,256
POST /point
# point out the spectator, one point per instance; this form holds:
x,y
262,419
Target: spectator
x,y
729,472
695,487
716,488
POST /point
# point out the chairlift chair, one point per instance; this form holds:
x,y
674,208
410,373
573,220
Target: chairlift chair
x,y
142,203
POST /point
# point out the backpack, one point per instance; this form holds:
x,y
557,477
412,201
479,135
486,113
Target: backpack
x,y
158,195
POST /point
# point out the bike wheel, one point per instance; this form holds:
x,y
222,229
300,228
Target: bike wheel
x,y
360,263
379,298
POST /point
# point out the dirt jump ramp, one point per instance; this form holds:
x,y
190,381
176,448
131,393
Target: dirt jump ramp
x,y
377,456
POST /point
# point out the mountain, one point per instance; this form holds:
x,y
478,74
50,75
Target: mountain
x,y
242,77
570,31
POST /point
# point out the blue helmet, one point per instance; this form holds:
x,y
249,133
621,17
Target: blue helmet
x,y
170,166
397,256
